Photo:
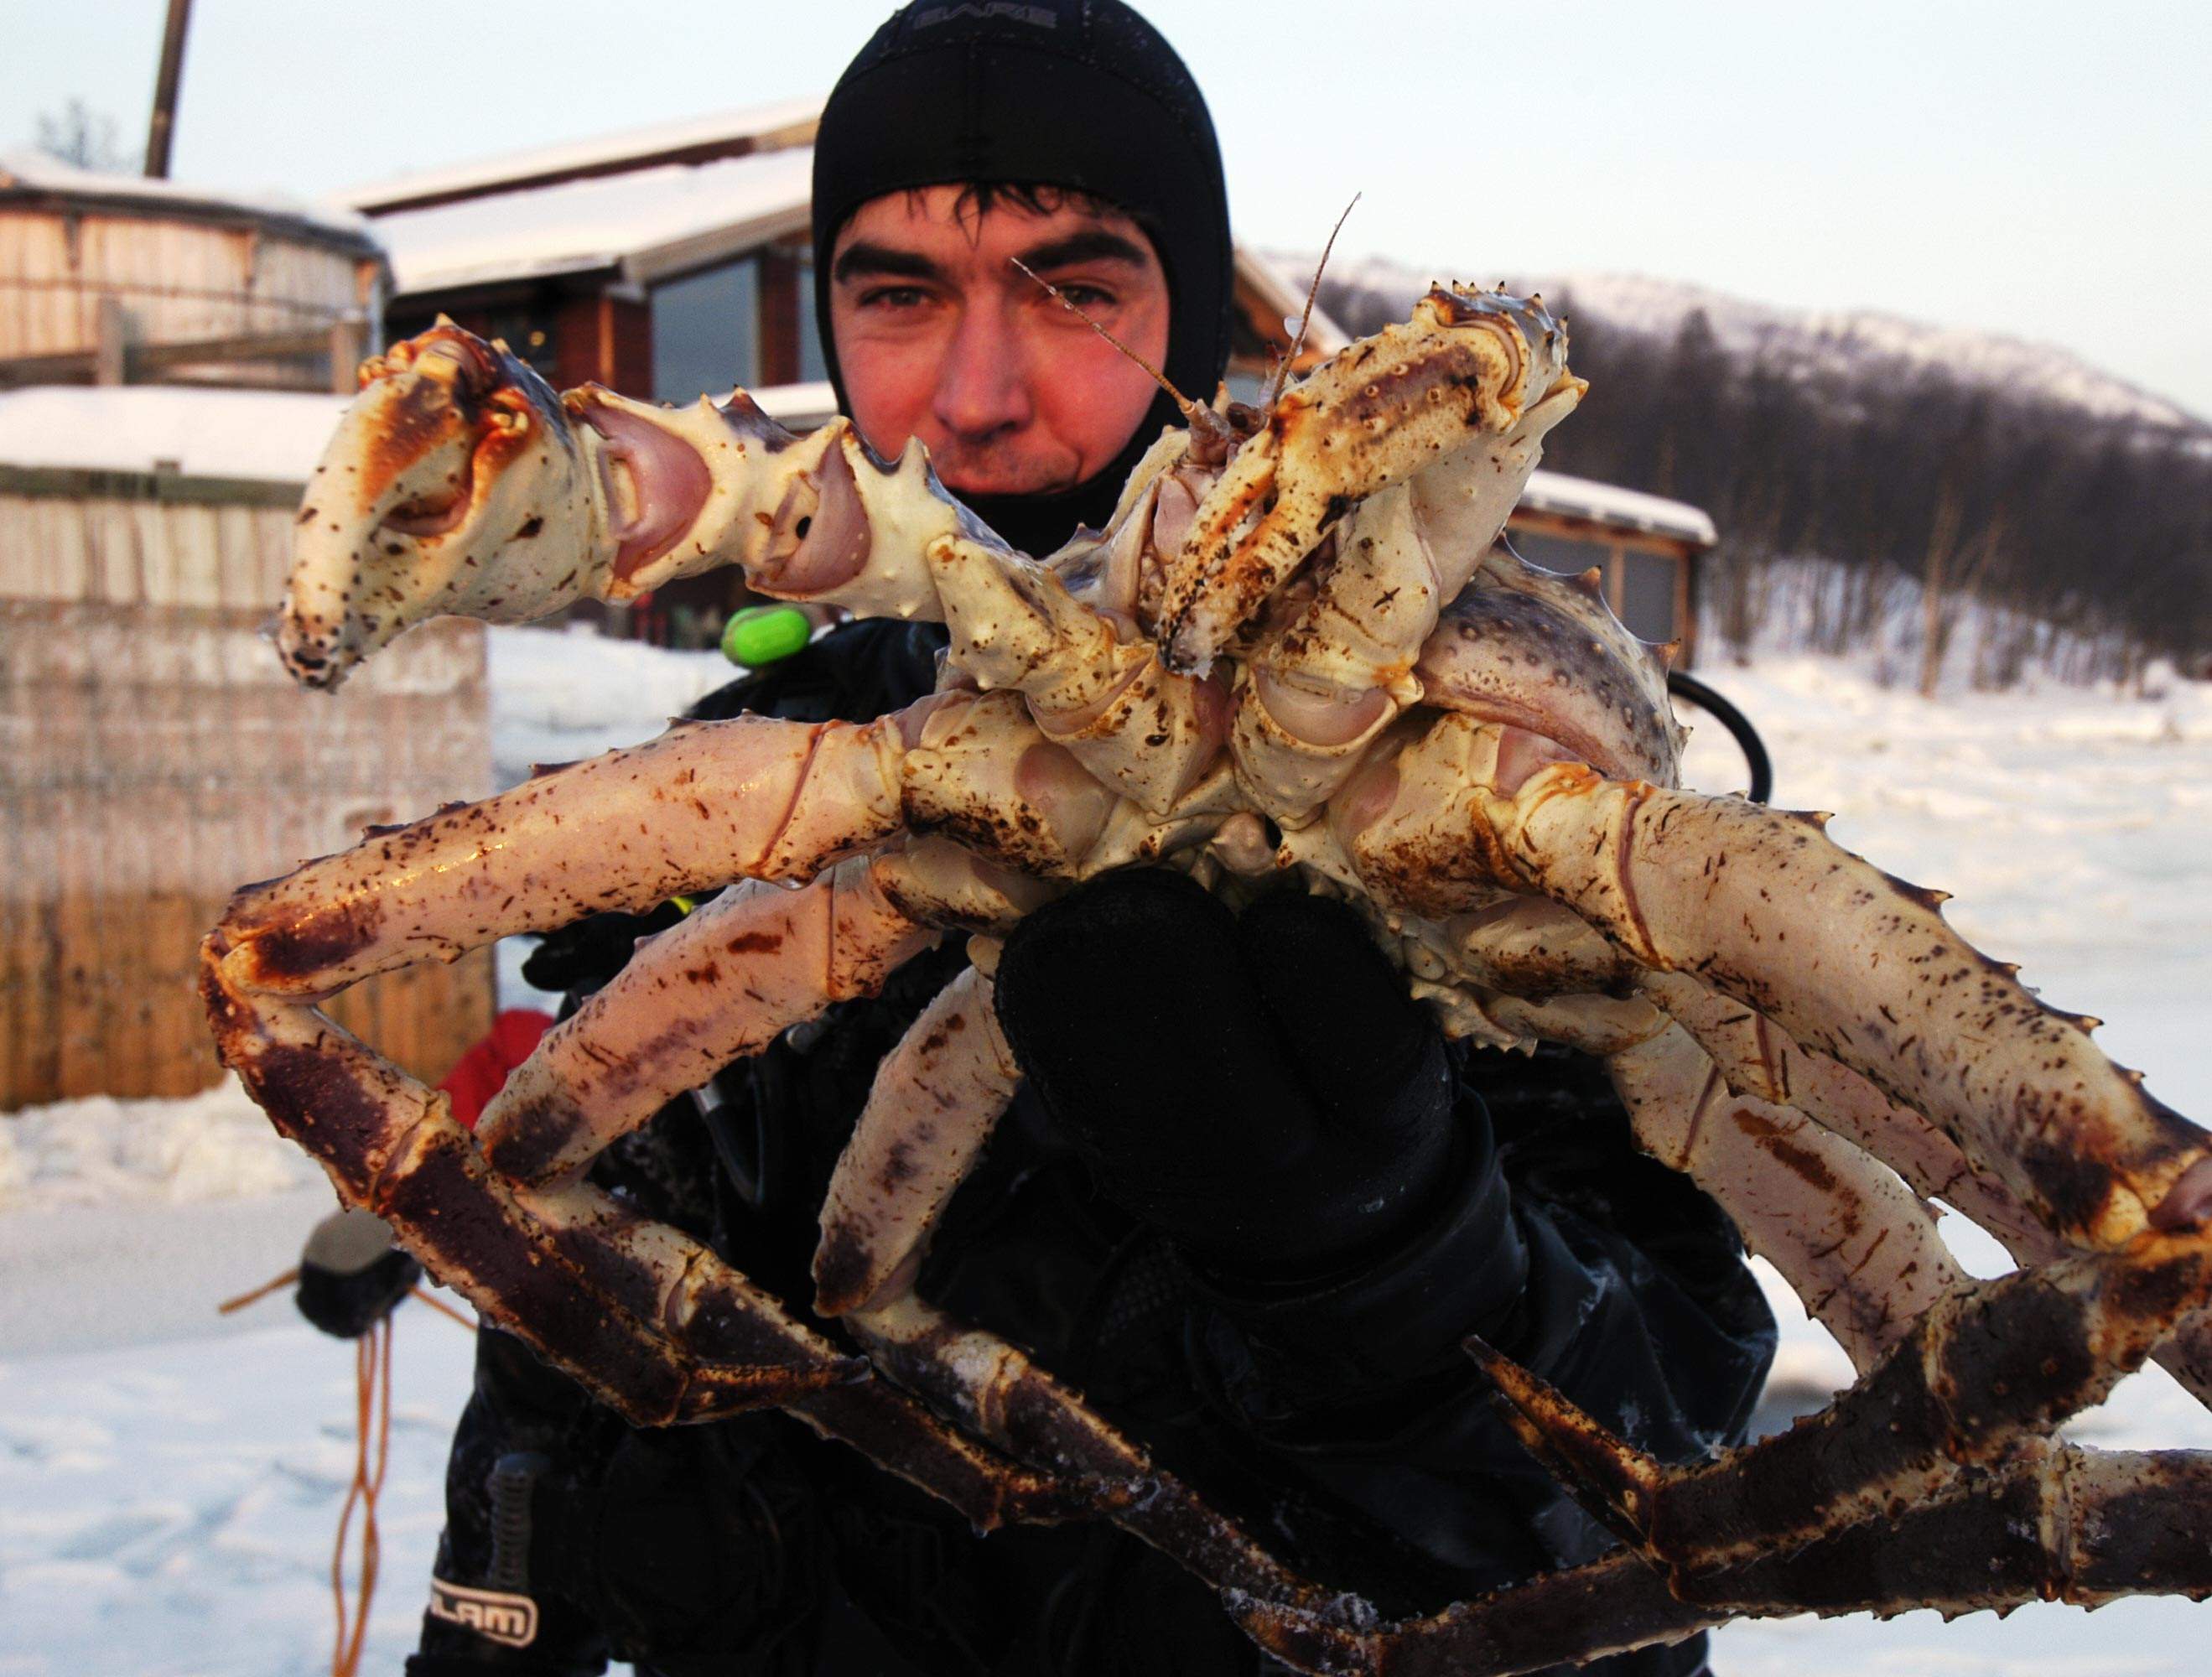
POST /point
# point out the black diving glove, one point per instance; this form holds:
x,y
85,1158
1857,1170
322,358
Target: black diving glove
x,y
661,1545
1259,1087
351,1276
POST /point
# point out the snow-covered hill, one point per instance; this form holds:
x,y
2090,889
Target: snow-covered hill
x,y
1810,342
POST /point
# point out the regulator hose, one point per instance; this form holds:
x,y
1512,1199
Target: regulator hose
x,y
1683,685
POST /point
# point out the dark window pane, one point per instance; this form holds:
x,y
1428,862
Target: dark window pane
x,y
528,332
811,365
1647,595
706,333
1556,553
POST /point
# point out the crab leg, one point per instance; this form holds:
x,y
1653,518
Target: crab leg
x,y
2057,1523
933,1104
647,1319
721,984
1754,1056
706,803
998,1394
454,454
1933,1023
458,482
1982,1369
1854,1242
1758,1060
1858,967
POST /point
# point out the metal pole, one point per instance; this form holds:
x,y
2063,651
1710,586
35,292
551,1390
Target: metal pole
x,y
165,91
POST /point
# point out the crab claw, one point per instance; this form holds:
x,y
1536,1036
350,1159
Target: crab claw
x,y
1469,365
453,452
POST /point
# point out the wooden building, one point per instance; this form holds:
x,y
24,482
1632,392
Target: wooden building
x,y
111,279
153,754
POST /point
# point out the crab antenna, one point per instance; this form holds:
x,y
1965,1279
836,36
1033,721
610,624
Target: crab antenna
x,y
1191,411
1283,373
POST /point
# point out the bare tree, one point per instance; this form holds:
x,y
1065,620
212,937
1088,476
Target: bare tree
x,y
81,136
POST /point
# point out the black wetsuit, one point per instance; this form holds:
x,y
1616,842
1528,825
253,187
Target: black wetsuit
x,y
750,1546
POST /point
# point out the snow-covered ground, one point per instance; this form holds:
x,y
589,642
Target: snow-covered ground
x,y
170,1480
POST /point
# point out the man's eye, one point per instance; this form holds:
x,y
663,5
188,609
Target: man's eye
x,y
1093,299
895,297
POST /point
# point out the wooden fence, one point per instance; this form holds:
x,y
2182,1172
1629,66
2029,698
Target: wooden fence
x,y
154,756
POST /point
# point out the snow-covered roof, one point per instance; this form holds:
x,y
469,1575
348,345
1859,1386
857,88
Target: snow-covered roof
x,y
647,222
268,435
37,174
800,407
1583,498
761,127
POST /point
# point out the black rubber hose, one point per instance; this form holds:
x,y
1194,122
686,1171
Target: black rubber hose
x,y
1683,685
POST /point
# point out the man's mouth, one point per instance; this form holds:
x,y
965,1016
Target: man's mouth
x,y
983,475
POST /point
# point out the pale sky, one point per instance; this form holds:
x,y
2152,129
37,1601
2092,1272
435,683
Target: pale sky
x,y
2023,166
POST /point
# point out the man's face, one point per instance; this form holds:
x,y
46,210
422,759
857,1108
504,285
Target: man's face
x,y
940,337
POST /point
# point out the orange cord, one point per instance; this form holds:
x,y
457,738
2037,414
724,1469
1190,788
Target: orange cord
x,y
258,1294
371,1415
442,1308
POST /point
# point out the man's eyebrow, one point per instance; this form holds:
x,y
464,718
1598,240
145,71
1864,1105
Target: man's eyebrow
x,y
1092,245
862,257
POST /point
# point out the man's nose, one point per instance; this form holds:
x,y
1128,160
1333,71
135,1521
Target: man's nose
x,y
982,386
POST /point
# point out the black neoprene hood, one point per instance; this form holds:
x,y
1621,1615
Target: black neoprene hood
x,y
1081,94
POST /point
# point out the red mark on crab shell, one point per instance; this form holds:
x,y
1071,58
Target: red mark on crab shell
x,y
669,480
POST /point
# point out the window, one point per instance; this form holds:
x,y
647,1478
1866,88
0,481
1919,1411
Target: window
x,y
529,333
706,333
1555,553
811,364
1647,595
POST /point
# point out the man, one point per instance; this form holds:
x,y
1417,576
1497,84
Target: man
x,y
1249,1202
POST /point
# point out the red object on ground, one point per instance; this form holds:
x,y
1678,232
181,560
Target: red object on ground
x,y
479,1073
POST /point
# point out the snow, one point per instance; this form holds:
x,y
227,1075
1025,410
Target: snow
x,y
560,695
33,171
170,1480
274,436
603,152
609,221
1608,503
100,1151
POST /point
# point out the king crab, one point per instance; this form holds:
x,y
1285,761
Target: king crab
x,y
1295,656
